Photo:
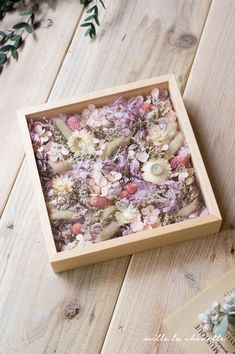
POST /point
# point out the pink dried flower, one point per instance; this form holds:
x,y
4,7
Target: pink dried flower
x,y
131,188
76,228
151,215
124,194
100,202
179,161
74,123
146,106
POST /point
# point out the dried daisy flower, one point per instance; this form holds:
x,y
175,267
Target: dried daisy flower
x,y
62,185
156,171
82,142
127,215
156,134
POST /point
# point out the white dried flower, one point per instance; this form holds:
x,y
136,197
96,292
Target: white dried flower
x,y
156,134
127,215
156,170
210,317
142,156
229,302
55,151
82,142
62,185
82,242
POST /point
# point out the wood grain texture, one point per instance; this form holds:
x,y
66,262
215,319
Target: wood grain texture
x,y
34,302
134,42
156,284
30,80
210,100
159,282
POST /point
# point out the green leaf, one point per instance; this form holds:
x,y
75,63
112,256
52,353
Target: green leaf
x,y
29,29
95,9
221,328
85,2
30,11
102,3
35,7
91,9
87,32
4,37
14,54
3,58
17,43
32,19
96,20
21,25
15,37
231,319
90,18
92,33
86,24
6,48
3,34
26,13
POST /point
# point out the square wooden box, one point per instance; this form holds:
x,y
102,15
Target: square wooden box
x,y
139,241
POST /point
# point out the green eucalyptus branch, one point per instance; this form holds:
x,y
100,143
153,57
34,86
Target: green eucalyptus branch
x,y
92,20
7,5
11,40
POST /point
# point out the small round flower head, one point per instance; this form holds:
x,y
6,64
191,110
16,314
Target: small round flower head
x,y
82,142
127,215
210,317
229,302
156,171
62,185
156,134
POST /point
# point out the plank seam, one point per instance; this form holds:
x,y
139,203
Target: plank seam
x,y
183,89
195,53
48,96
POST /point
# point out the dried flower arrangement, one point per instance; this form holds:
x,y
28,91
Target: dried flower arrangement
x,y
218,317
115,170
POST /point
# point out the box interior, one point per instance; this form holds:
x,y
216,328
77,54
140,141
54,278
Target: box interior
x,y
77,107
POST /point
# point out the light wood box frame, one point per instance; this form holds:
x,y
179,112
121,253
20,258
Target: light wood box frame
x,y
139,241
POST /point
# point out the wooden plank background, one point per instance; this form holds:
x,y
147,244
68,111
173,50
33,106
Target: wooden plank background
x,y
31,79
124,300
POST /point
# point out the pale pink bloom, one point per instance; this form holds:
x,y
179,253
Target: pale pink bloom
x,y
55,151
204,212
69,246
82,242
151,215
137,226
43,134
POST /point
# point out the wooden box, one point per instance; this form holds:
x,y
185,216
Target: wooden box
x,y
139,241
